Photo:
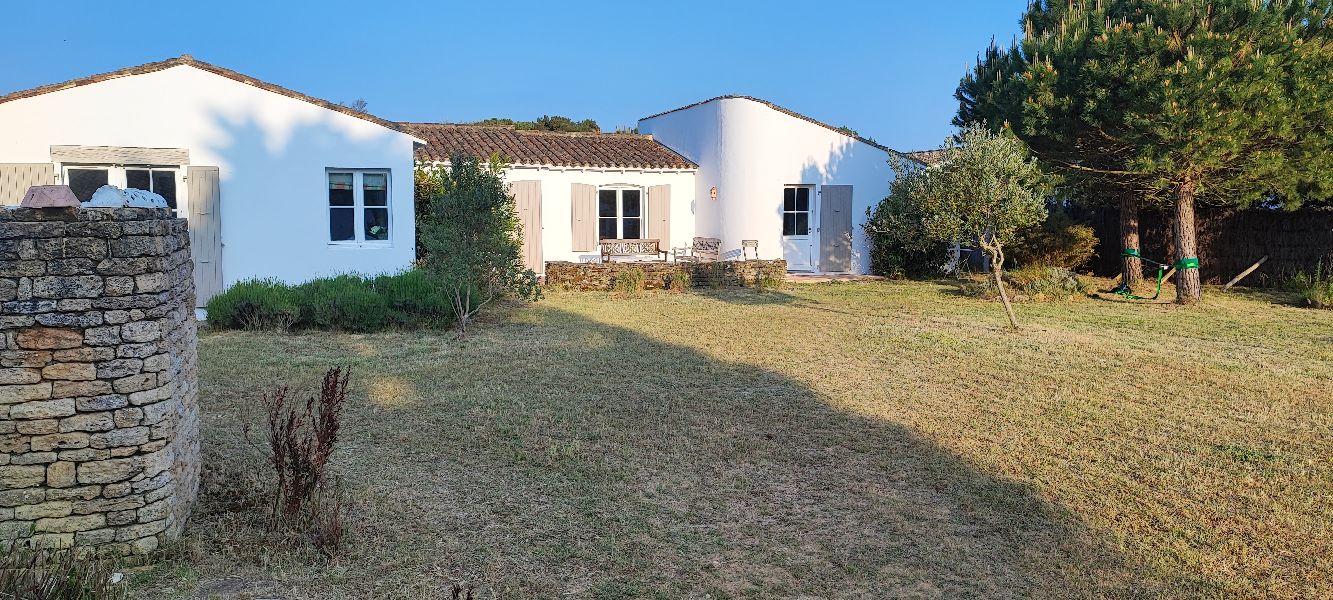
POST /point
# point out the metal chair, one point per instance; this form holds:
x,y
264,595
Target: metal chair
x,y
747,246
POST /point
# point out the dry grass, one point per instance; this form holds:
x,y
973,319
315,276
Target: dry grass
x,y
861,440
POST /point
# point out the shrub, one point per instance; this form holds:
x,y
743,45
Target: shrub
x,y
899,244
1056,242
678,280
1314,289
346,302
1031,283
255,304
473,239
628,282
414,299
64,574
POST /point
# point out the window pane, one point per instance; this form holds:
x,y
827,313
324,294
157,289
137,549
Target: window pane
x,y
137,179
340,190
630,199
342,224
632,230
788,223
606,203
803,199
375,186
164,183
85,181
377,223
606,228
789,199
802,223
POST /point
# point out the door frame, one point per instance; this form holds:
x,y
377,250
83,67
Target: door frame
x,y
812,229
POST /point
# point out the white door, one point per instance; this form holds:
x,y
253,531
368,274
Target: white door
x,y
797,240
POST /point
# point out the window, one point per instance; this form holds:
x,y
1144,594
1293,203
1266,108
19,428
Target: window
x,y
157,180
85,179
358,206
620,213
796,210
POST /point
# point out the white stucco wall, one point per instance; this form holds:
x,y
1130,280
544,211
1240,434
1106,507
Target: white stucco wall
x,y
272,152
750,151
557,211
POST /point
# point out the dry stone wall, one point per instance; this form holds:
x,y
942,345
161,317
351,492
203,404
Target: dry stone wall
x,y
99,422
601,276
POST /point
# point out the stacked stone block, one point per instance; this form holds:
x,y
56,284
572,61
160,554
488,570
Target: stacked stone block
x,y
601,276
99,443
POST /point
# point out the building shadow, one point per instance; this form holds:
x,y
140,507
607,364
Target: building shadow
x,y
554,455
748,296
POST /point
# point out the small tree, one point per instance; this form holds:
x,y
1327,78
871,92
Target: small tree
x,y
473,239
985,192
899,243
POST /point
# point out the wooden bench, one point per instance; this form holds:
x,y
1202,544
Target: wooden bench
x,y
635,248
702,250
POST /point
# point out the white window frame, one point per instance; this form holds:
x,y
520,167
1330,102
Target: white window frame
x,y
359,208
620,210
809,210
115,175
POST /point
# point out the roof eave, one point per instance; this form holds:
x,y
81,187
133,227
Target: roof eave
x,y
780,109
189,61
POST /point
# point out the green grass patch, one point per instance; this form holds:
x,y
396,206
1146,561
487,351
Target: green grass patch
x,y
863,440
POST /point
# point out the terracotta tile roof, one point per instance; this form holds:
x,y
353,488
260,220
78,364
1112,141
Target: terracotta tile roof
x,y
188,60
523,147
785,111
929,158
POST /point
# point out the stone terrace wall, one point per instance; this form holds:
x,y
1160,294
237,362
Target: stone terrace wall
x,y
99,422
600,276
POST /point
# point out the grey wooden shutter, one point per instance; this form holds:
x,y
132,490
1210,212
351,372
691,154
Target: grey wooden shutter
x,y
835,229
583,209
204,187
659,215
15,179
528,202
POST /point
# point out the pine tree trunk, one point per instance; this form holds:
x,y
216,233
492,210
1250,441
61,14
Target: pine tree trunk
x,y
1131,267
1188,286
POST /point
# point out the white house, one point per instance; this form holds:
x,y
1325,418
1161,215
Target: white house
x,y
798,186
274,183
574,189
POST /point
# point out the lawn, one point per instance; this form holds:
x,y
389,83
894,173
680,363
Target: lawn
x,y
843,440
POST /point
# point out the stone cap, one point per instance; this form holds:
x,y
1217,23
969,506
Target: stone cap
x,y
72,214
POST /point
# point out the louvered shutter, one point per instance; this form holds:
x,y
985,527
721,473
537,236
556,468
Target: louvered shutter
x,y
659,215
15,179
583,209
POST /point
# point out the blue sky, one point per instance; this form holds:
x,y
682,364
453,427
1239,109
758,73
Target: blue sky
x,y
886,68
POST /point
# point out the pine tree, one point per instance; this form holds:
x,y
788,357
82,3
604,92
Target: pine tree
x,y
1175,101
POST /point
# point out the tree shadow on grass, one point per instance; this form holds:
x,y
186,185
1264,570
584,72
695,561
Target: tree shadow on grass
x,y
748,296
561,456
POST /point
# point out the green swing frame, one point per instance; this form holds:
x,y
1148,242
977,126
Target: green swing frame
x,y
1124,290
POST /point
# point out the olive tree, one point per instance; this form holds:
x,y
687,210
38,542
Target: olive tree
x,y
986,190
